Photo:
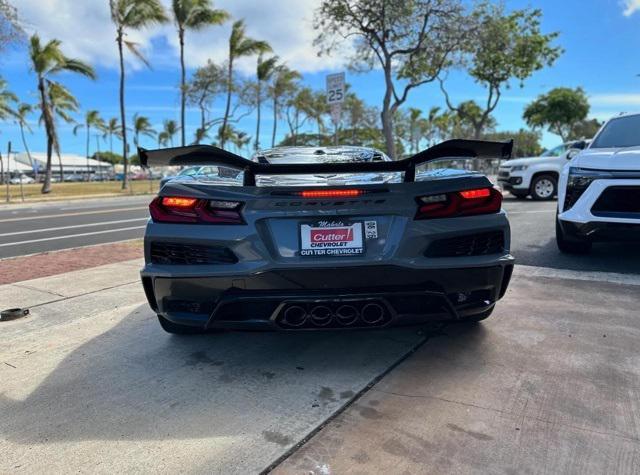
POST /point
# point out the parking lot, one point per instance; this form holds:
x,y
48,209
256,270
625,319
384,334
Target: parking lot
x,y
550,383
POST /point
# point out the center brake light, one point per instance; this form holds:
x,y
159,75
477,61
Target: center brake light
x,y
181,209
349,193
460,203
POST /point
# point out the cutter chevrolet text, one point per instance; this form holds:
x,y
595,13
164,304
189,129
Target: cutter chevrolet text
x,y
307,238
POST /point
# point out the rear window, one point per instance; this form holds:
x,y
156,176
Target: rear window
x,y
621,132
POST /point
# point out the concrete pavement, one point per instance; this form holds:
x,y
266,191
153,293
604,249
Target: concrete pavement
x,y
90,383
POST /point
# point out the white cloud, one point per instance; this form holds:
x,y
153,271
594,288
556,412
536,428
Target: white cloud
x,y
615,99
630,7
85,28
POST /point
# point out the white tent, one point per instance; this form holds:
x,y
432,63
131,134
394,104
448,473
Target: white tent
x,y
14,167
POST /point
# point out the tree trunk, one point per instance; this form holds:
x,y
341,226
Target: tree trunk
x,y
259,100
46,186
183,96
223,129
26,149
88,139
275,121
387,114
125,181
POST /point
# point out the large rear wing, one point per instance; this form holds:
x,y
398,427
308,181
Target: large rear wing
x,y
210,155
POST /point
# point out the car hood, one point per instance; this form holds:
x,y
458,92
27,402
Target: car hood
x,y
609,158
525,161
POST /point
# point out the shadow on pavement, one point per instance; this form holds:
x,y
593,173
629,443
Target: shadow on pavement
x,y
134,382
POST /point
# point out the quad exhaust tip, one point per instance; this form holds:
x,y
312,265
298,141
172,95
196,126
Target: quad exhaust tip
x,y
356,314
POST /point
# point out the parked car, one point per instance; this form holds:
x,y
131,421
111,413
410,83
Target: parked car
x,y
599,190
74,177
24,179
341,249
536,176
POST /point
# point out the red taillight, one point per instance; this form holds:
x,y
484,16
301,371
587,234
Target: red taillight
x,y
330,193
462,203
473,194
179,209
178,202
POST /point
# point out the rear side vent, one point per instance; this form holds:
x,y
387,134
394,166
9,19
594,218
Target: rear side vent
x,y
190,254
470,245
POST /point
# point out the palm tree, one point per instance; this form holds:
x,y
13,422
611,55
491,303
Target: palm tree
x,y
6,99
264,72
21,119
63,104
47,60
163,139
193,15
142,126
170,129
111,128
131,15
91,119
239,45
284,84
6,110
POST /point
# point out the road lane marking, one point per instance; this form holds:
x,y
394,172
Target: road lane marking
x,y
59,228
591,276
114,210
71,236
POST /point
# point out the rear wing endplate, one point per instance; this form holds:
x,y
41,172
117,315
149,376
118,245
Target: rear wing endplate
x,y
210,155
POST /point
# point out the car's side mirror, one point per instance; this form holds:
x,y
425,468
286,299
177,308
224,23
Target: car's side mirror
x,y
580,145
572,153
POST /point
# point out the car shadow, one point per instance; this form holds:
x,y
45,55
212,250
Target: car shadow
x,y
134,382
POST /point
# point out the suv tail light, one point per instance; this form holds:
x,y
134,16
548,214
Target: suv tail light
x,y
459,203
181,209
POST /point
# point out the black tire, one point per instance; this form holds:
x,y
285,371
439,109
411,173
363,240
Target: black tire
x,y
520,195
544,187
176,329
570,246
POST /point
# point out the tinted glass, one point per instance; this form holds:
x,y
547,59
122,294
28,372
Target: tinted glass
x,y
622,132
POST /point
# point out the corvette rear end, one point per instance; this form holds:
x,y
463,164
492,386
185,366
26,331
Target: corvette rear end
x,y
236,255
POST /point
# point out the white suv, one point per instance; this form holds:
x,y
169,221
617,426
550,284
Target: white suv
x,y
536,176
599,189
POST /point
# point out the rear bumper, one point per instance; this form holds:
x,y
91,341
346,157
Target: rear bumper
x,y
597,231
259,301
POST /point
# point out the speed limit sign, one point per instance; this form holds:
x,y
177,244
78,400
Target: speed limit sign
x,y
335,88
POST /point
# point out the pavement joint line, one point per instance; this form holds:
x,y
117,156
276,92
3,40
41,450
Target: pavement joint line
x,y
530,211
514,415
24,286
73,226
589,276
64,215
349,403
53,251
81,295
67,236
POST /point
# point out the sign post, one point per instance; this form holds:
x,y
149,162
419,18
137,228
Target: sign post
x,y
335,98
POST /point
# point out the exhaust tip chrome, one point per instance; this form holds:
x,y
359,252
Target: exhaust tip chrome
x,y
294,316
372,313
346,314
321,315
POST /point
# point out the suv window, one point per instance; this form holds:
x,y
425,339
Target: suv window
x,y
620,132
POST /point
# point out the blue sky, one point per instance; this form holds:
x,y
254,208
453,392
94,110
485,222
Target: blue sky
x,y
601,39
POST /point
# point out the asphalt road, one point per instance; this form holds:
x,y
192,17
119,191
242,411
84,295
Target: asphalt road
x,y
61,226
49,227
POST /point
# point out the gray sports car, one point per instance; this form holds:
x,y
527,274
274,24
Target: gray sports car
x,y
310,238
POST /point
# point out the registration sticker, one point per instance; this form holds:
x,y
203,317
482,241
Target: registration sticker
x,y
331,238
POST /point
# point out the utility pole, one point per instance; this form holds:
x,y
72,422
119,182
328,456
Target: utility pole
x,y
8,171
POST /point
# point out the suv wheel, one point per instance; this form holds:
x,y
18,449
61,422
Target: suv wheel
x,y
570,246
176,329
544,187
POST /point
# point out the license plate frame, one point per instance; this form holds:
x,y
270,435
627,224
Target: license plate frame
x,y
338,238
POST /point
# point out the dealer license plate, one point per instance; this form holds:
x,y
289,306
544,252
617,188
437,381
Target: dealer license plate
x,y
331,238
